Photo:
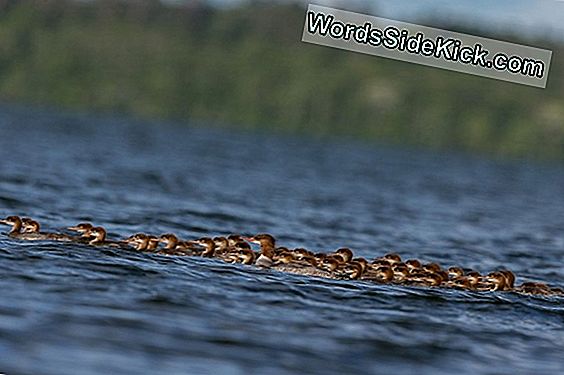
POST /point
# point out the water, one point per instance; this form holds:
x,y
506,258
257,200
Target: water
x,y
72,309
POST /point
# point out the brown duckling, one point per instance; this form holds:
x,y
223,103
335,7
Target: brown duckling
x,y
363,263
509,279
392,258
246,256
455,272
221,245
431,267
138,241
267,245
16,231
328,264
208,245
474,278
424,278
494,281
32,226
401,273
533,288
28,231
99,235
170,242
300,253
351,270
344,253
460,283
81,228
380,274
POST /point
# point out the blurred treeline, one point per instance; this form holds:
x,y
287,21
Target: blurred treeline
x,y
246,66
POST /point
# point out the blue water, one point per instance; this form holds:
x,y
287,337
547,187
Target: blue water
x,y
73,309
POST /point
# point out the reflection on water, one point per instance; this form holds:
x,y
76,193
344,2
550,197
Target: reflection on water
x,y
72,309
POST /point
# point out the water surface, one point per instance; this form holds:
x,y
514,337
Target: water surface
x,y
72,309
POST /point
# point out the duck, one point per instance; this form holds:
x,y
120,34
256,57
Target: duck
x,y
474,278
533,288
208,245
387,260
246,256
460,283
139,241
379,274
302,263
29,225
401,273
267,245
493,281
287,262
352,270
392,258
509,279
413,265
455,272
33,227
98,235
425,278
170,242
431,267
143,242
344,253
18,231
221,245
81,228
363,263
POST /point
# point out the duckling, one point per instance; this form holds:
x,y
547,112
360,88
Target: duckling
x,y
474,278
29,225
300,253
380,274
363,263
351,270
267,245
460,283
81,228
493,281
170,242
533,288
32,226
431,267
509,279
246,256
221,245
16,231
413,265
401,273
208,245
424,278
139,241
328,264
392,258
286,262
345,253
99,235
455,272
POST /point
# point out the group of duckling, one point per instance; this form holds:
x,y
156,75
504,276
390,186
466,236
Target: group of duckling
x,y
340,264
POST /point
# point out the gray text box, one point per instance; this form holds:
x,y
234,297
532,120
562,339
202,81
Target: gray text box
x,y
515,63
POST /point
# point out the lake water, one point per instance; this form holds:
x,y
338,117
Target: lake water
x,y
73,309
